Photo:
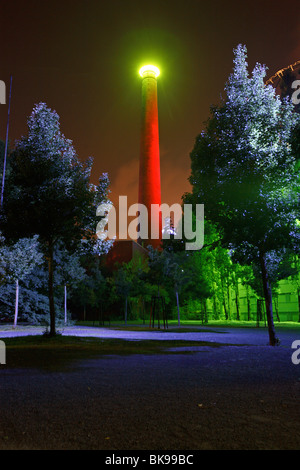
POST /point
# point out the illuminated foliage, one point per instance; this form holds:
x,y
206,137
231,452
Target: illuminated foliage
x,y
244,171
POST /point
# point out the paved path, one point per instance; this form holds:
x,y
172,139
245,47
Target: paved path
x,y
231,397
250,336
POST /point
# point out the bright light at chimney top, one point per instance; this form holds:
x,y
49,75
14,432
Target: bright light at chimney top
x,y
151,69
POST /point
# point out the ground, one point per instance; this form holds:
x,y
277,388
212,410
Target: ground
x,y
181,389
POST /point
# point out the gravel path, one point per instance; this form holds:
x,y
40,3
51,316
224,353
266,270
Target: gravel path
x,y
249,336
242,396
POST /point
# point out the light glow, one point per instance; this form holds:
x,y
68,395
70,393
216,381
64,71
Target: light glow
x,y
149,69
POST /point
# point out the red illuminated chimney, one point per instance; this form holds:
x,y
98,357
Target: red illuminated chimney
x,y
149,173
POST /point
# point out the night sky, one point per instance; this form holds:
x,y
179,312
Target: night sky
x,y
82,59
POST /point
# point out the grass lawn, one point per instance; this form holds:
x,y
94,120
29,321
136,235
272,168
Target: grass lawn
x,y
131,325
95,345
58,353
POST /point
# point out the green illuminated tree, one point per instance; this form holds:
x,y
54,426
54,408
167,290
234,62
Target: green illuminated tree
x,y
245,172
296,281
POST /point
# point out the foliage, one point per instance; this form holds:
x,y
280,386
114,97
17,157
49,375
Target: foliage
x,y
18,260
244,171
50,194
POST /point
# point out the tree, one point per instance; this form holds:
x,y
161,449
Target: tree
x,y
69,271
166,268
180,272
123,285
92,289
221,266
50,193
244,171
296,281
17,262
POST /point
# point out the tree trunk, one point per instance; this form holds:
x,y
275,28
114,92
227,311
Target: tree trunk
x,y
248,309
215,316
225,310
50,292
17,303
273,340
258,310
126,310
236,288
204,314
178,311
228,302
65,302
223,297
248,303
237,307
276,308
143,307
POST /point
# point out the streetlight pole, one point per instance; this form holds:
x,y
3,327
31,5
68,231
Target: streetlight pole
x,y
6,145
